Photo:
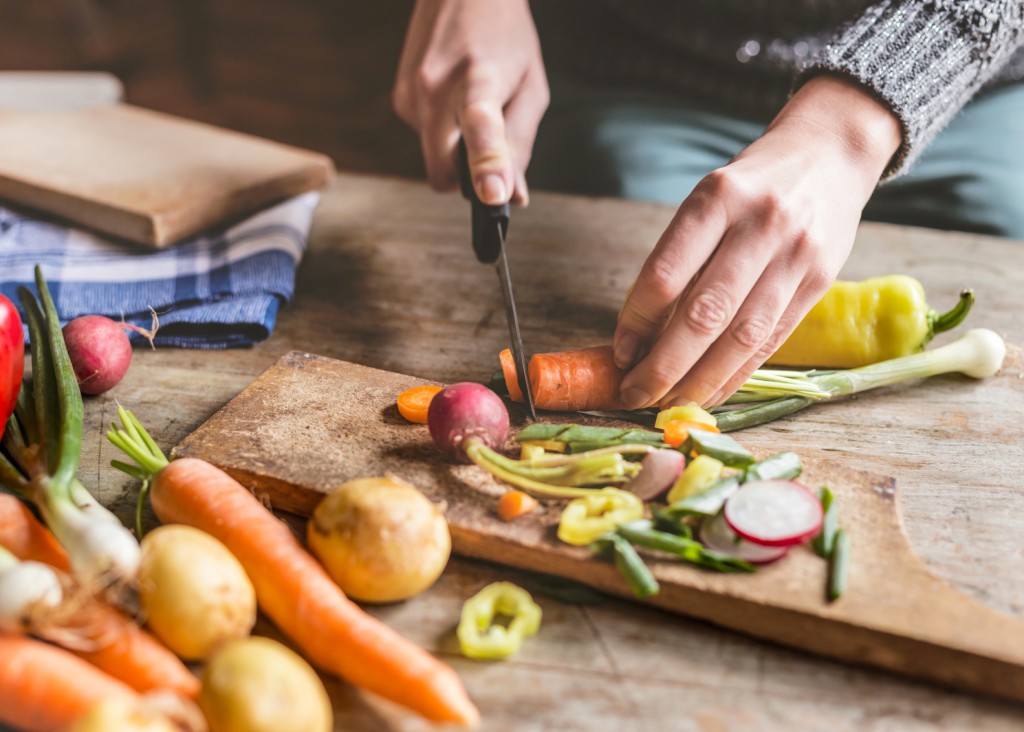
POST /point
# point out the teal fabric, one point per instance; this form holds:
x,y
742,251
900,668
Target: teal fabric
x,y
649,146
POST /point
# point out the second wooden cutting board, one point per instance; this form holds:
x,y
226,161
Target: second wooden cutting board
x,y
310,423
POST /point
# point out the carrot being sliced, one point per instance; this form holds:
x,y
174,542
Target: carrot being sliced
x,y
677,431
580,379
103,635
414,403
299,596
25,537
46,689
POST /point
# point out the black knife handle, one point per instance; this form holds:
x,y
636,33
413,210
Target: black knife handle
x,y
486,242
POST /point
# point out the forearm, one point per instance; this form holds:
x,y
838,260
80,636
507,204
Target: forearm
x,y
923,60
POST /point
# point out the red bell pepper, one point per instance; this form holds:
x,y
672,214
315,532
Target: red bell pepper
x,y
12,359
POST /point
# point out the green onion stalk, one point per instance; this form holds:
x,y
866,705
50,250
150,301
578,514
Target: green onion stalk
x,y
40,455
773,393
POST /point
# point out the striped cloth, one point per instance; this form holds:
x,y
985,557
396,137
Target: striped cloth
x,y
218,290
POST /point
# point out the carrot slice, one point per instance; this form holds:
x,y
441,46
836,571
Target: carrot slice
x,y
414,403
508,370
678,430
514,504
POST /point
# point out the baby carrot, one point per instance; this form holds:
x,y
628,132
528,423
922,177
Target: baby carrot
x,y
25,537
514,504
46,689
97,632
414,403
677,431
575,380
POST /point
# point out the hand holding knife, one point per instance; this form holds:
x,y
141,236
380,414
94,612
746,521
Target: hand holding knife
x,y
489,228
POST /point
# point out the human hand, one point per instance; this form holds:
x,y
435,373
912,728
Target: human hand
x,y
474,67
752,248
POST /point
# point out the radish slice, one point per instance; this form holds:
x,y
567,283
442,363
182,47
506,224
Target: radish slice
x,y
658,472
774,512
716,535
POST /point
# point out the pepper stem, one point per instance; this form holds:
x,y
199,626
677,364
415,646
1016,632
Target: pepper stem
x,y
950,320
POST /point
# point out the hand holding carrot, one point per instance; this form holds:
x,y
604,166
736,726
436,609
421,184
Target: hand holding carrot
x,y
753,248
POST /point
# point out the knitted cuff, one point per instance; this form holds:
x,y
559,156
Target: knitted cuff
x,y
923,60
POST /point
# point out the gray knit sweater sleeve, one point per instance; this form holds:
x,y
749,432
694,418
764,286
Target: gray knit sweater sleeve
x,y
924,59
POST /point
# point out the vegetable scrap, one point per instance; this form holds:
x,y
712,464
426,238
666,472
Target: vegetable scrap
x,y
514,504
496,620
413,404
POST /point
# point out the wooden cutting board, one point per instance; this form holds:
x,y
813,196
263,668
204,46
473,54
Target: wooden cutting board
x,y
309,423
144,176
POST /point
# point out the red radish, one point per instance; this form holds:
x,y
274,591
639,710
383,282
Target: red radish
x,y
466,412
100,351
658,471
774,512
715,534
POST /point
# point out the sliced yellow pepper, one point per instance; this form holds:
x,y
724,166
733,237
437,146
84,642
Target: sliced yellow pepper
x,y
480,637
691,412
586,518
697,476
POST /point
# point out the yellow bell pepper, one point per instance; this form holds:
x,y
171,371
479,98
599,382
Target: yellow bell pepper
x,y
478,633
858,323
586,518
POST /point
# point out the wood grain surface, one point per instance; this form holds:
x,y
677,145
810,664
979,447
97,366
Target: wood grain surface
x,y
389,281
144,176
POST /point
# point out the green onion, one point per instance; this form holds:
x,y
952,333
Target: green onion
x,y
641,533
825,541
979,353
629,563
838,565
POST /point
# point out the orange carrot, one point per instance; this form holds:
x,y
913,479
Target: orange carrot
x,y
300,597
514,504
104,636
46,689
25,537
677,431
569,381
414,403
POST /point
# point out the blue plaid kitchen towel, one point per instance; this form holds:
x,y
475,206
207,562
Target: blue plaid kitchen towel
x,y
222,289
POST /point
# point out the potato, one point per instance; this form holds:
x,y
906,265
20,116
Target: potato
x,y
194,593
380,539
140,714
259,685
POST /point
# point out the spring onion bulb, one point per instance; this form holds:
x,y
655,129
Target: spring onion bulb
x,y
28,590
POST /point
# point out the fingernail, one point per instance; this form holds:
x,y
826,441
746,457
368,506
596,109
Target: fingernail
x,y
634,398
493,190
626,350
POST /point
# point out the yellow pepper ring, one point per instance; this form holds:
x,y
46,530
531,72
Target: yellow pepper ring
x,y
858,323
587,518
480,637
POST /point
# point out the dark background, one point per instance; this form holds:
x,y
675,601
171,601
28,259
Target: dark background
x,y
313,73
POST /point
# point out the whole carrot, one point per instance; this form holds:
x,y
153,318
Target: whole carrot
x,y
292,587
46,689
96,632
25,537
575,380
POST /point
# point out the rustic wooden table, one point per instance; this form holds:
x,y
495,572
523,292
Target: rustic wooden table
x,y
390,281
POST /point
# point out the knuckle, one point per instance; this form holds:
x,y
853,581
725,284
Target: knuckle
x,y
817,280
709,310
752,332
662,377
659,278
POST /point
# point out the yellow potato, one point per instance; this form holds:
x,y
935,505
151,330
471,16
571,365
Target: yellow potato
x,y
259,685
380,539
195,595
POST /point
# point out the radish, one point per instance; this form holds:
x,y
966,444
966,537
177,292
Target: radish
x,y
100,351
464,414
715,534
658,471
774,512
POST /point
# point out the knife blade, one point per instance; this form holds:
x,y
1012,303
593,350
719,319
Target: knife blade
x,y
489,229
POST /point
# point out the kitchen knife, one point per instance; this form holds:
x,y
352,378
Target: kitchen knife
x,y
489,229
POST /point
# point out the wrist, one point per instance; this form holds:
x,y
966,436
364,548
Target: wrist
x,y
844,113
